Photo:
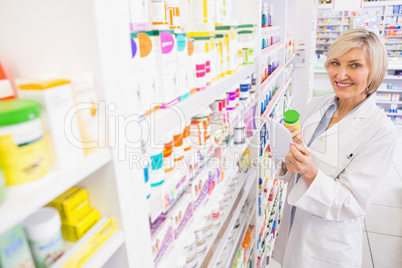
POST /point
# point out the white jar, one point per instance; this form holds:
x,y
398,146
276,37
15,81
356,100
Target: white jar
x,y
44,236
208,222
190,249
223,203
216,214
200,236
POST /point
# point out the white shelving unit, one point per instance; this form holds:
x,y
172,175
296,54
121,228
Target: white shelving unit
x,y
64,38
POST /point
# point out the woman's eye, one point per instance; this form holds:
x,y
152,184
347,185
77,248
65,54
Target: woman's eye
x,y
334,63
355,65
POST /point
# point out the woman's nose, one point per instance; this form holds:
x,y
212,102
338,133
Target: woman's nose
x,y
342,73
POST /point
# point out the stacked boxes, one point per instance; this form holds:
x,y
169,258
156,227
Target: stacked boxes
x,y
76,215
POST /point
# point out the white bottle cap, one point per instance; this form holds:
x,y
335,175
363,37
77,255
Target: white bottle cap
x,y
43,224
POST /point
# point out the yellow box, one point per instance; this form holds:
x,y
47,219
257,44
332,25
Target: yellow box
x,y
74,231
71,204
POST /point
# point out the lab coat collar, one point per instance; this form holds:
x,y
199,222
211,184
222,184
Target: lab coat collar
x,y
364,110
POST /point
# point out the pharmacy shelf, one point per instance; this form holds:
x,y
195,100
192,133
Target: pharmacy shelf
x,y
155,201
326,37
330,31
218,244
212,242
322,18
273,77
393,114
290,59
390,43
164,121
271,105
321,25
272,49
21,201
106,251
395,66
393,78
321,50
389,102
288,82
390,90
323,44
396,36
393,30
276,189
240,235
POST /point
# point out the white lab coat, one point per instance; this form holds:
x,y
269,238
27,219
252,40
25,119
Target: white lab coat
x,y
352,156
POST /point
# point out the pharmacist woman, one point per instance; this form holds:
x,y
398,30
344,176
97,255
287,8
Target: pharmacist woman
x,y
342,154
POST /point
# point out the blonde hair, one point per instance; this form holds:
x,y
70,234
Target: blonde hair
x,y
373,48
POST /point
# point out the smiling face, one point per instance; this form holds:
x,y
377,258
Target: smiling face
x,y
349,75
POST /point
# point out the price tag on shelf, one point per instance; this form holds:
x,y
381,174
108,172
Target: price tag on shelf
x,y
341,5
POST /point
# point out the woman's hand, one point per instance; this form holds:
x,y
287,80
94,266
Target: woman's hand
x,y
296,135
299,160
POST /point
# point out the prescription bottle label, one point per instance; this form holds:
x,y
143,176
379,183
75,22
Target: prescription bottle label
x,y
22,158
145,44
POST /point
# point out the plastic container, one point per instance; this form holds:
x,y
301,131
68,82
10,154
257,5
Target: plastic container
x,y
190,249
200,236
208,222
216,214
246,43
291,118
44,236
23,153
14,249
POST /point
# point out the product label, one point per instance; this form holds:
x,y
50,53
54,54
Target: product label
x,y
191,253
200,237
14,249
160,247
139,15
159,13
23,157
181,219
167,42
181,42
47,252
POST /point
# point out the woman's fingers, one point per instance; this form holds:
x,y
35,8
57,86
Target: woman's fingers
x,y
302,149
299,156
296,132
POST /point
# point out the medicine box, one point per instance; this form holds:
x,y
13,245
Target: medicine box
x,y
139,15
165,45
181,214
183,71
75,230
57,111
202,14
162,238
144,97
190,65
71,204
85,97
199,187
173,186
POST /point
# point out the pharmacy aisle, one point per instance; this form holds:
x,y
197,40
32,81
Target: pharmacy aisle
x,y
145,120
381,17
